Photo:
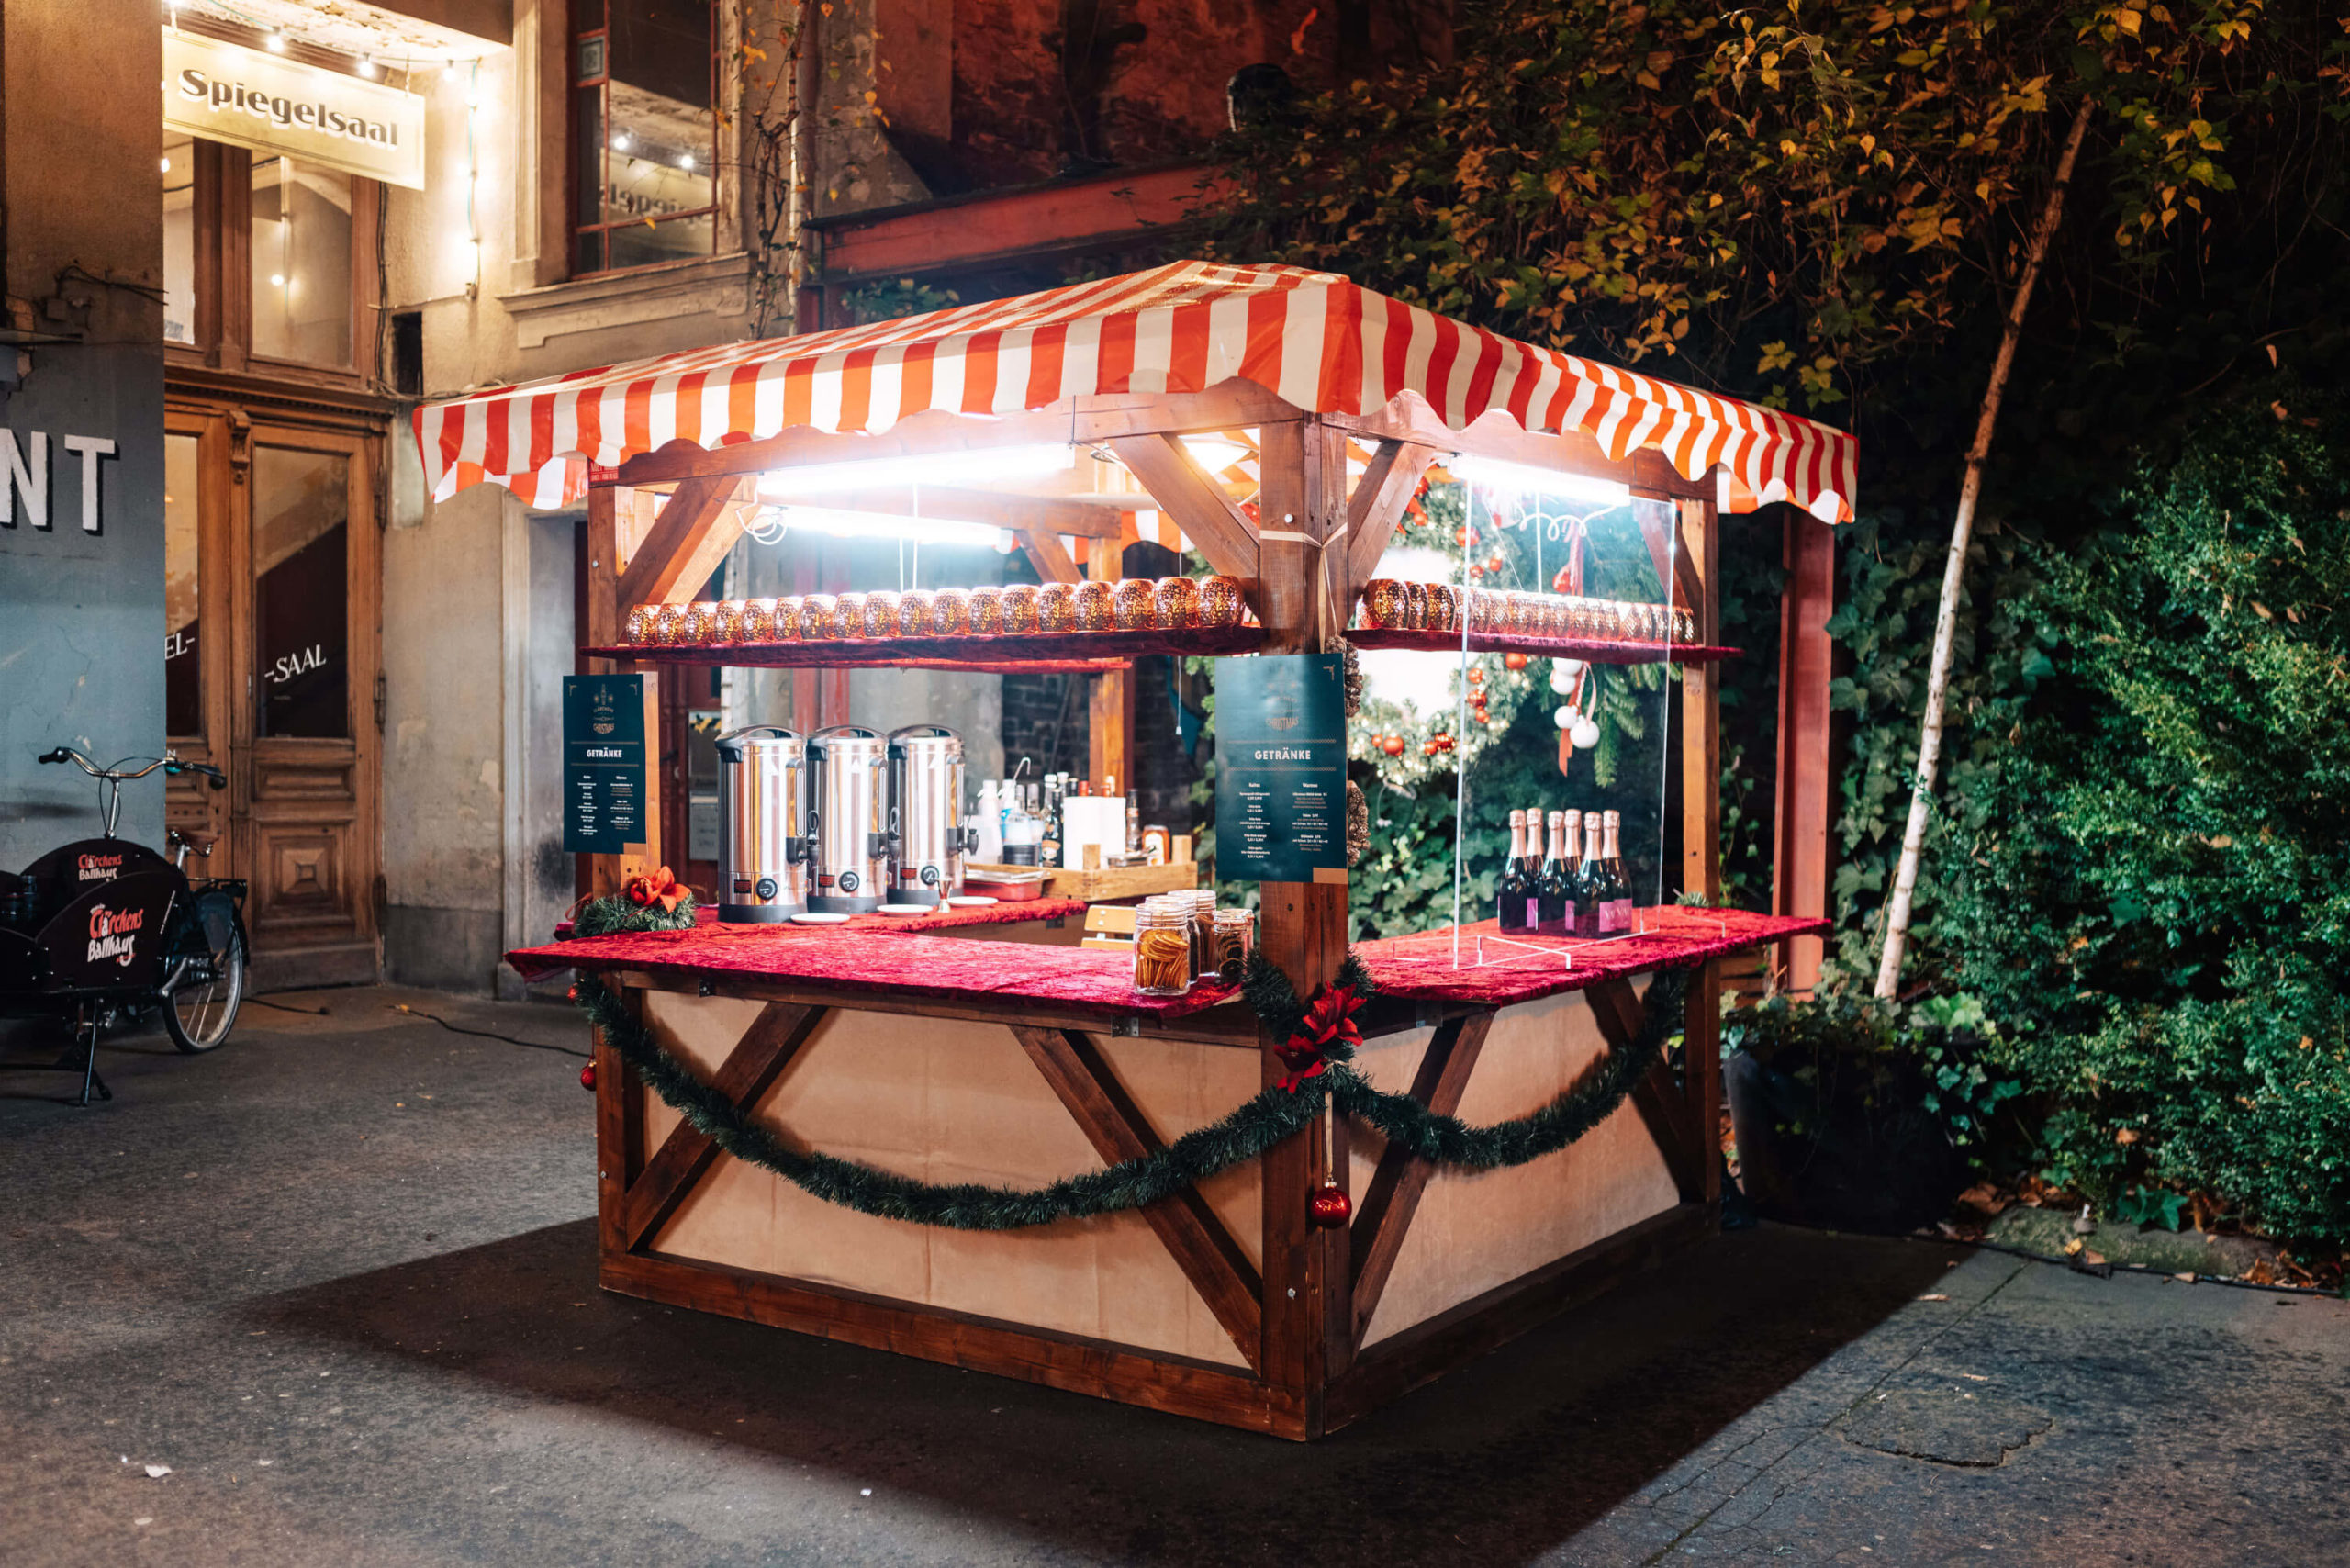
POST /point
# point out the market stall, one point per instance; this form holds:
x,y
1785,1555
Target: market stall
x,y
1253,1196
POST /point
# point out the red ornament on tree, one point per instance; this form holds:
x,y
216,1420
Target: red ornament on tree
x,y
1442,741
1329,1207
1465,537
1393,745
1515,661
587,1077
1476,677
1427,748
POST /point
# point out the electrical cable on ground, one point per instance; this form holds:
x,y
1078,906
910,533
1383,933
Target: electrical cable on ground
x,y
486,1034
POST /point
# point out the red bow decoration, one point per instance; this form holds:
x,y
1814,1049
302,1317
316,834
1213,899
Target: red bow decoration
x,y
1329,1025
657,887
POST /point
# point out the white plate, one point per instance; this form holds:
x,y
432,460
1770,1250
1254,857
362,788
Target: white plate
x,y
906,909
970,901
814,919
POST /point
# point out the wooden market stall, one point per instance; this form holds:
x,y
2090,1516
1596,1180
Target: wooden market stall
x,y
1016,1065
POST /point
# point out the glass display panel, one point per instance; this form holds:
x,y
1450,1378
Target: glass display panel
x,y
301,592
301,251
183,592
179,240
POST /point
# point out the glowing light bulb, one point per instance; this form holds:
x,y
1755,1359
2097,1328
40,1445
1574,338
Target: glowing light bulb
x,y
684,159
367,67
620,142
167,165
277,280
277,43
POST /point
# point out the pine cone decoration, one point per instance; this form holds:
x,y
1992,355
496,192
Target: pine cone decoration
x,y
1358,823
1353,679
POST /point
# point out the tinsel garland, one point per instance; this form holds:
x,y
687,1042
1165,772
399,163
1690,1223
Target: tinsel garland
x,y
1257,1125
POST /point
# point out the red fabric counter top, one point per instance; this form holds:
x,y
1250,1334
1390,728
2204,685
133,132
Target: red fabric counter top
x,y
906,962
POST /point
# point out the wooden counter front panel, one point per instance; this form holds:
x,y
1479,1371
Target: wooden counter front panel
x,y
1474,1232
947,1100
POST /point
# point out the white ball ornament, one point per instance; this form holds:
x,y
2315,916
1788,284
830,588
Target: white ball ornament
x,y
1562,679
1585,734
1564,717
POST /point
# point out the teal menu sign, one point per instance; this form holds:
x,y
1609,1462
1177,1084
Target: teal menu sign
x,y
603,763
1280,774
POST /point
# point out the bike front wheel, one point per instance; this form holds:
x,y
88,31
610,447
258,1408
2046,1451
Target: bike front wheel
x,y
204,991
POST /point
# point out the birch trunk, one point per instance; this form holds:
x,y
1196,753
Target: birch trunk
x,y
1929,736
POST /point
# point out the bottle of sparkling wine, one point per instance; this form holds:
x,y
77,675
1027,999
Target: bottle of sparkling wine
x,y
1554,900
1619,885
1591,880
1517,881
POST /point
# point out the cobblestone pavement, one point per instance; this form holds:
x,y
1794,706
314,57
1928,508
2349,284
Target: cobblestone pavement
x,y
338,1278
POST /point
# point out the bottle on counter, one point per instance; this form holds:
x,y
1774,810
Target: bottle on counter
x,y
1048,852
1133,822
1590,882
1553,898
989,822
1516,877
1619,885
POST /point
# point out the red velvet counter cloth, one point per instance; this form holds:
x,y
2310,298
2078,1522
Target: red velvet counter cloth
x,y
903,964
1006,912
1526,968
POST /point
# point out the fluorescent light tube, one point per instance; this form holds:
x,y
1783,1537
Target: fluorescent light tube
x,y
1519,478
1212,454
929,468
845,524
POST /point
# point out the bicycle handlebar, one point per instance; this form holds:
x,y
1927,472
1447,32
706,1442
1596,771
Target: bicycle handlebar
x,y
167,761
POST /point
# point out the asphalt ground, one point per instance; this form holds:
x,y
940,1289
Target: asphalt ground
x,y
339,1277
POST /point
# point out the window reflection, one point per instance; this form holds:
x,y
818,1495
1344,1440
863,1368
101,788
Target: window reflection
x,y
301,615
179,240
645,131
183,592
301,249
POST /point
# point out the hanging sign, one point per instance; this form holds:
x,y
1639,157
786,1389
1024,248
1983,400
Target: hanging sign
x,y
603,763
1281,769
225,92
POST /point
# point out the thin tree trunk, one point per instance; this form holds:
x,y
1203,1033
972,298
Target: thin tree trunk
x,y
1930,737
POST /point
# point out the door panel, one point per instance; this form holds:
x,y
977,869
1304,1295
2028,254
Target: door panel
x,y
272,634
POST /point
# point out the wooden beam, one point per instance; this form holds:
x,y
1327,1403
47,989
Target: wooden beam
x,y
1701,1075
1701,729
1110,697
1116,1127
757,1059
686,541
1200,507
1052,561
1099,417
1807,669
995,228
1377,506
1393,1196
1408,418
1619,1016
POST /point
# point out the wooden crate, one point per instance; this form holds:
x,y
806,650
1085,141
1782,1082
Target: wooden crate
x,y
1106,885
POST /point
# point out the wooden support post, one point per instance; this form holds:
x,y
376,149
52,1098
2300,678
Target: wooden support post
x,y
1303,928
610,510
1386,486
1701,827
1807,666
1110,702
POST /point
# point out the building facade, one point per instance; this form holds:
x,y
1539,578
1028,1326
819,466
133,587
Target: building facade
x,y
224,307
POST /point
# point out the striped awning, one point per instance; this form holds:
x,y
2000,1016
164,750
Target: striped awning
x,y
1316,341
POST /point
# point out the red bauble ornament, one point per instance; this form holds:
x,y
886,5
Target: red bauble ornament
x,y
1515,661
571,994
1442,743
1330,1207
1496,562
1476,574
1393,745
1427,748
1465,537
587,1077
1479,716
1476,677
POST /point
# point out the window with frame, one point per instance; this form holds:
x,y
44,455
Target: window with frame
x,y
259,256
643,132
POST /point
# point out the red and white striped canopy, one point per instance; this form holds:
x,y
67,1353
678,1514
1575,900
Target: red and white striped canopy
x,y
1314,339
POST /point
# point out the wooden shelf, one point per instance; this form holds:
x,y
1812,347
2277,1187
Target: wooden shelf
x,y
1586,649
1073,651
1106,883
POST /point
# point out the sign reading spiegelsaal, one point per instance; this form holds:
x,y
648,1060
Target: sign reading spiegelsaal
x,y
225,92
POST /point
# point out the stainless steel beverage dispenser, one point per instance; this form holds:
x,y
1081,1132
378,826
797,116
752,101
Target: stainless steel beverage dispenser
x,y
850,833
926,814
763,849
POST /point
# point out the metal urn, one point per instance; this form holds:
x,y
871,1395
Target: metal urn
x,y
851,835
926,808
763,849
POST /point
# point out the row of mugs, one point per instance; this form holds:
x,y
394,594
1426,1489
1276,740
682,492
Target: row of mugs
x,y
1130,604
1389,605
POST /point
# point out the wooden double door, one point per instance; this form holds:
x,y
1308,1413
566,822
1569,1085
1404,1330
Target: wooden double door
x,y
271,658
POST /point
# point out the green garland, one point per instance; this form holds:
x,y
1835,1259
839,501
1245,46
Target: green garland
x,y
612,914
1257,1126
